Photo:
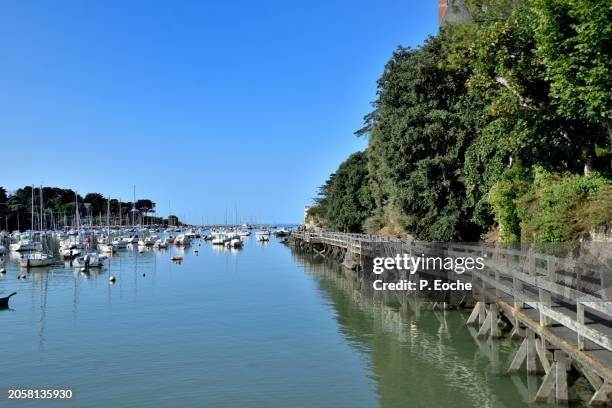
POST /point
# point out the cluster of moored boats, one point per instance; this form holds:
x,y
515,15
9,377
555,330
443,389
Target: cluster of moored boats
x,y
233,238
89,247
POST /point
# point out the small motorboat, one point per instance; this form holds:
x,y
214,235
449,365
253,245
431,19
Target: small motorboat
x,y
263,238
282,232
161,244
236,242
4,301
182,240
91,260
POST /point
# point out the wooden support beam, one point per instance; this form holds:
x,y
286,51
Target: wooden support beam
x,y
494,312
482,313
517,331
531,352
561,377
485,329
547,386
541,351
526,352
592,378
601,395
555,379
519,357
476,313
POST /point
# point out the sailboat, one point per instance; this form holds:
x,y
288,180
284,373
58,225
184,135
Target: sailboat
x,y
37,259
108,246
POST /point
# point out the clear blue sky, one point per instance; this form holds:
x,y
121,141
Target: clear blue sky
x,y
209,105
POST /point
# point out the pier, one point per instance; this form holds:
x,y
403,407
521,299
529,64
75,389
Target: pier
x,y
559,308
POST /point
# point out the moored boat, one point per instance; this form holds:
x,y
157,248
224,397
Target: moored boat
x,y
91,260
26,245
4,301
35,260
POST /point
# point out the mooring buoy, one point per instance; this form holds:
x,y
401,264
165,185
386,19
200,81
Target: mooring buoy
x,y
112,279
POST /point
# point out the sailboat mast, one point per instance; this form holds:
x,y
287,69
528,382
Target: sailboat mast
x,y
32,223
134,208
108,218
41,209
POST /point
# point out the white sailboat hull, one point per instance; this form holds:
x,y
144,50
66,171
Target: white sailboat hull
x,y
36,260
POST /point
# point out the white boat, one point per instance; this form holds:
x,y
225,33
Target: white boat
x,y
107,248
91,260
26,245
263,238
244,233
120,244
236,242
219,238
265,232
182,240
37,259
71,244
282,232
161,243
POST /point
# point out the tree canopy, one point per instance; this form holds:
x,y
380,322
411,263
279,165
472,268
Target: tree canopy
x,y
462,123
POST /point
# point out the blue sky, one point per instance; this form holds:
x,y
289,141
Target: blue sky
x,y
206,105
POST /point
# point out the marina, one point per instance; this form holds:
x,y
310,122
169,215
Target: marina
x,y
446,240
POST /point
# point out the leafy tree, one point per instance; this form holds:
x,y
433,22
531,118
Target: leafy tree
x,y
418,142
146,206
97,201
574,42
348,198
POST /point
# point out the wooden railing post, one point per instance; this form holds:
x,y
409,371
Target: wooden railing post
x,y
580,318
544,295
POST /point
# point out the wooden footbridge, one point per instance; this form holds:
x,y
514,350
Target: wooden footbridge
x,y
561,308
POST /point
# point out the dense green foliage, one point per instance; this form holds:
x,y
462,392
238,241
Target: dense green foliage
x,y
418,142
561,208
345,200
487,124
59,208
349,198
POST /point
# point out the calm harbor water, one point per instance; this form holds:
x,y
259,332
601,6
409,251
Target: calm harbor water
x,y
257,327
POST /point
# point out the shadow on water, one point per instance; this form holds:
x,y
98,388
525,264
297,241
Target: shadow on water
x,y
418,356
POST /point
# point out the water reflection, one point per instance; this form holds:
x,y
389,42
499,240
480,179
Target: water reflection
x,y
416,354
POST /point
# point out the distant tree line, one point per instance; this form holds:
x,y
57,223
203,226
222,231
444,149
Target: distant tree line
x,y
59,209
498,128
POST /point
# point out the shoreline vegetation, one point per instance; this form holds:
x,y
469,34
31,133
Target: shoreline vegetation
x,y
497,129
60,208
